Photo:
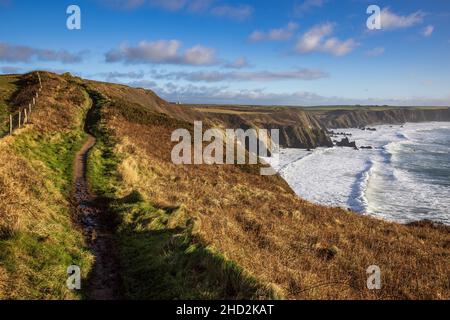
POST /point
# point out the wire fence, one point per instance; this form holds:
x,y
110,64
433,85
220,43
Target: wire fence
x,y
22,116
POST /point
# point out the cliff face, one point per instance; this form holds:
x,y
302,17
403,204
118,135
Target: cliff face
x,y
302,128
299,127
359,118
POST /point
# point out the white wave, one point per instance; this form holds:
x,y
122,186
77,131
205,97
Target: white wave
x,y
375,181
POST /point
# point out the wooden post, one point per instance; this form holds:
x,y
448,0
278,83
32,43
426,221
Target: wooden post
x,y
34,101
10,124
29,112
25,116
20,116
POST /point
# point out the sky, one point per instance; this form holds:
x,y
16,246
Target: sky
x,y
285,52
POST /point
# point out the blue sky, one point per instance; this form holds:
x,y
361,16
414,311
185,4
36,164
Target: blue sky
x,y
295,52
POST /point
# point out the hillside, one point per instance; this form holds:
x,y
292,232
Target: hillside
x,y
190,231
38,236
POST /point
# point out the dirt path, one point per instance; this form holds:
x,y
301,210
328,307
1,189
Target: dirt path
x,y
103,283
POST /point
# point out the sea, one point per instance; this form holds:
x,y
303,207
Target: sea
x,y
405,177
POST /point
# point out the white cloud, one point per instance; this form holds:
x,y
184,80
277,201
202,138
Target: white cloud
x,y
177,5
124,4
239,63
162,52
317,39
307,5
312,39
338,47
223,94
217,76
213,7
378,51
428,31
199,55
14,53
239,12
279,34
391,20
115,75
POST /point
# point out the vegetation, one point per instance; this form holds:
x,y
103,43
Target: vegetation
x,y
7,89
188,231
38,239
297,249
160,257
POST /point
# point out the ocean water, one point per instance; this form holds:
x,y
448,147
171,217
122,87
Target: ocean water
x,y
406,177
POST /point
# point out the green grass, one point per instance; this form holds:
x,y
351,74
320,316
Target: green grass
x,y
162,260
37,262
36,257
56,152
102,160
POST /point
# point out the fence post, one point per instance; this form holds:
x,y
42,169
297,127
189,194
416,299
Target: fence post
x,y
29,112
34,101
20,116
25,116
10,124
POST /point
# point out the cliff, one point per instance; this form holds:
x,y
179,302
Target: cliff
x,y
364,117
299,127
186,232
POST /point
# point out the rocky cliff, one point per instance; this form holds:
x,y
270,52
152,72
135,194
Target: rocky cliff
x,y
299,127
359,118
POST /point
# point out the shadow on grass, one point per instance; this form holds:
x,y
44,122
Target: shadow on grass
x,y
160,260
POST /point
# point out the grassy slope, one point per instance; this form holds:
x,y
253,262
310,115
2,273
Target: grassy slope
x,y
38,239
7,89
297,249
161,258
187,231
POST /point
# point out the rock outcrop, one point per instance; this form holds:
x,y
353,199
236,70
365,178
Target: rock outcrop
x,y
345,142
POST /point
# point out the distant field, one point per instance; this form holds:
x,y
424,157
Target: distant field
x,y
229,111
253,109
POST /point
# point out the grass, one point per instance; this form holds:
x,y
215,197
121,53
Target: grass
x,y
160,257
186,231
7,89
56,152
298,249
38,238
37,254
37,263
162,260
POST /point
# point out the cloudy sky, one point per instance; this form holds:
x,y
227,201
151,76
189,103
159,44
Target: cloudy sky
x,y
285,52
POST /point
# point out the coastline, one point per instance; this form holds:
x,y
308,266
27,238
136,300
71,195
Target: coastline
x,y
366,181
